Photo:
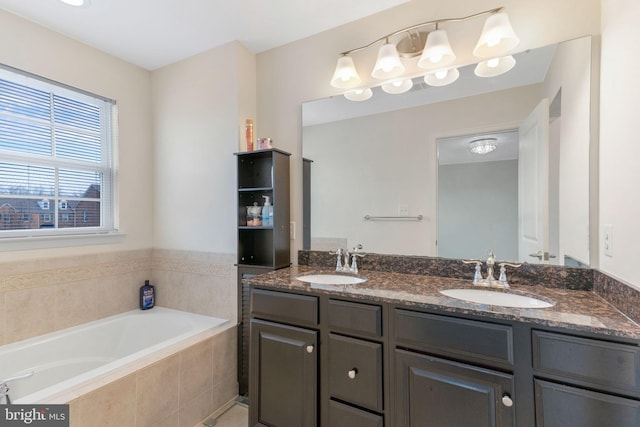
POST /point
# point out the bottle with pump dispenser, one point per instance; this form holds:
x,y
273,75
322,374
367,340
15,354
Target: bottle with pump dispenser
x,y
267,212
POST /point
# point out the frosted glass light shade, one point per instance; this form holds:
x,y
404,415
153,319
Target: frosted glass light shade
x,y
495,66
388,64
442,77
359,94
483,146
437,51
345,76
497,37
398,86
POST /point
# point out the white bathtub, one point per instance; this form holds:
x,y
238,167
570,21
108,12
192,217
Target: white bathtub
x,y
63,360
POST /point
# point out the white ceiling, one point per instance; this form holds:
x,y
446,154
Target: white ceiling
x,y
155,33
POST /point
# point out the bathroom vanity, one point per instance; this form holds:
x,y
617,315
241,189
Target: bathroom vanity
x,y
393,351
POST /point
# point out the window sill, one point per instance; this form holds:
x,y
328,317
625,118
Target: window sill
x,y
60,241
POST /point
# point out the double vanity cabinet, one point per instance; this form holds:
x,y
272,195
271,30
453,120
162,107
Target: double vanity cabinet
x,y
360,356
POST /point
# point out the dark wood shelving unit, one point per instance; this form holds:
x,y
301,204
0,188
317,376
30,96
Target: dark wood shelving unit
x,y
265,247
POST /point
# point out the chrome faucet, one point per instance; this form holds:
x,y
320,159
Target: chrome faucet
x,y
4,388
346,262
490,280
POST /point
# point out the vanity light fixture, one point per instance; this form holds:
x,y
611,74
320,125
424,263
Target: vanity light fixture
x,y
494,66
396,63
483,145
361,94
397,86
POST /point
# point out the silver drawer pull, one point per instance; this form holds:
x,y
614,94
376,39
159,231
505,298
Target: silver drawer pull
x,y
352,373
506,401
309,349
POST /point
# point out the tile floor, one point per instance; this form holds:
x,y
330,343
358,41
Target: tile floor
x,y
236,416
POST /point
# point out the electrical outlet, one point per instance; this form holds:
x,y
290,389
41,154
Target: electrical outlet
x,y
608,240
292,230
403,210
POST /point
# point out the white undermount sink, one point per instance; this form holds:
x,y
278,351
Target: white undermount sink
x,y
504,299
331,279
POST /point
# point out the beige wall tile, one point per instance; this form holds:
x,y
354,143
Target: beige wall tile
x,y
74,413
172,420
196,410
29,312
120,293
113,405
158,386
30,280
196,370
224,391
225,356
76,303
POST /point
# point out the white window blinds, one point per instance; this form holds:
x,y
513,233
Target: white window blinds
x,y
56,161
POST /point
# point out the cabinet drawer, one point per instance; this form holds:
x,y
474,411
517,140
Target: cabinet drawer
x,y
561,405
449,335
341,415
599,363
355,318
355,371
285,307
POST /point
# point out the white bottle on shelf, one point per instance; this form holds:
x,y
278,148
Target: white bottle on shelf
x,y
267,212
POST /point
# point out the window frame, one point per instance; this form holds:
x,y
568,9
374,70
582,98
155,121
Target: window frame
x,y
69,236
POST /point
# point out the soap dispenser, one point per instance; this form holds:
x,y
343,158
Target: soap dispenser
x,y
267,212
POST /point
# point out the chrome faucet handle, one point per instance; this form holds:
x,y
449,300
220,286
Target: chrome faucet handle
x,y
339,252
477,275
503,272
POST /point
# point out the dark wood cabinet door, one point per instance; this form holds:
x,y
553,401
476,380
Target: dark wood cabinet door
x,y
283,380
560,405
434,392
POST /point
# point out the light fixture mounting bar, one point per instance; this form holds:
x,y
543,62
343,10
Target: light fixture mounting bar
x,y
423,24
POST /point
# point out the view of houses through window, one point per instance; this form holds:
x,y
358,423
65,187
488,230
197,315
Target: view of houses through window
x,y
55,156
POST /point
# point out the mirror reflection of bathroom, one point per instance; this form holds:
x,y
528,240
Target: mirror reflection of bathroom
x,y
478,194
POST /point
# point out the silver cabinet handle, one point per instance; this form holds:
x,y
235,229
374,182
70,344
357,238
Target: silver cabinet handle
x,y
309,349
352,373
506,401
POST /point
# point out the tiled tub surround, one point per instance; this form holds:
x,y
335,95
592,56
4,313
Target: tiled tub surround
x,y
197,282
622,296
44,295
63,360
39,296
574,310
170,389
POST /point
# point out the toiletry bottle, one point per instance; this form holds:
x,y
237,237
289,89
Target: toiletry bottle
x,y
267,212
147,296
249,134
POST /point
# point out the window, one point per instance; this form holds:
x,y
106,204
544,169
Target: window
x,y
56,146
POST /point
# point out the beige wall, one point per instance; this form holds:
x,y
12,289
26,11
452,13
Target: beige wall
x,y
619,147
40,51
300,71
198,108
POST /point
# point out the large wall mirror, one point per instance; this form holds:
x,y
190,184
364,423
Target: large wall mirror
x,y
395,173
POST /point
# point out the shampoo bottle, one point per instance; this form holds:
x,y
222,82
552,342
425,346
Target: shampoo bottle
x,y
267,212
147,296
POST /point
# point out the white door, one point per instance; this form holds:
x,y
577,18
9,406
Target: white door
x,y
533,186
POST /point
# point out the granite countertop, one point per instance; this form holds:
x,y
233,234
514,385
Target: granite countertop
x,y
574,309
